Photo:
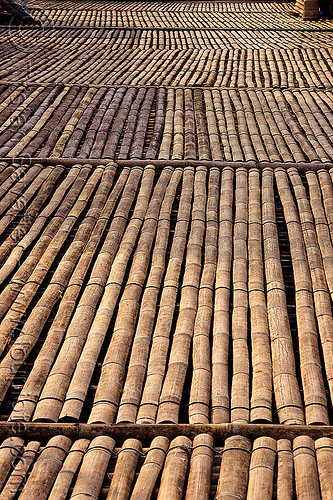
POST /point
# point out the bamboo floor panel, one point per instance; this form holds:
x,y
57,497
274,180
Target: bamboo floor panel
x,y
170,19
104,468
127,61
163,281
223,6
183,123
35,40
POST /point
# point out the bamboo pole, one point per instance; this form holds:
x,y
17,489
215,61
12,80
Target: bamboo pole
x,y
324,456
199,480
285,474
114,364
287,395
20,471
175,469
306,474
46,469
32,388
261,471
93,468
122,479
240,392
236,457
131,396
160,341
151,469
261,395
9,449
65,364
70,467
315,401
321,294
201,377
173,385
220,348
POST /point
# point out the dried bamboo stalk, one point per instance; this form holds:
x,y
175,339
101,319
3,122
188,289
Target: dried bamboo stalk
x,y
201,378
321,294
261,395
240,392
130,399
29,395
175,469
172,389
39,315
220,350
285,475
70,466
93,468
315,401
287,396
160,343
81,322
122,479
9,449
306,474
236,458
324,455
150,469
107,397
199,480
46,469
20,471
261,471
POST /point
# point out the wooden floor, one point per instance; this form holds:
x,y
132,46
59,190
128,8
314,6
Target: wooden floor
x,y
166,252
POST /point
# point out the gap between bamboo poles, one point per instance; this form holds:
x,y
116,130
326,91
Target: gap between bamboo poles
x,y
146,433
160,164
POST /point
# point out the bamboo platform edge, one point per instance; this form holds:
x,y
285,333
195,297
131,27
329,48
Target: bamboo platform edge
x,y
32,430
159,164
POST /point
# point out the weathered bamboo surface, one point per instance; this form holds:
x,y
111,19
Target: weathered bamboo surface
x,y
224,6
188,20
104,468
273,125
173,282
153,60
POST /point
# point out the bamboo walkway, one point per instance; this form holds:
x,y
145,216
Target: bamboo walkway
x,y
166,252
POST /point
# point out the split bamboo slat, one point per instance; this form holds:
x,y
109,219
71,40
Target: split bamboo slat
x,y
285,484
261,470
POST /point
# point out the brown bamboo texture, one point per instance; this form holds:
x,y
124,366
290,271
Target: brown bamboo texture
x,y
240,392
160,341
9,449
261,470
151,469
93,468
130,399
220,350
172,389
236,458
199,480
324,456
287,395
306,474
123,476
261,393
201,377
315,401
175,469
285,474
